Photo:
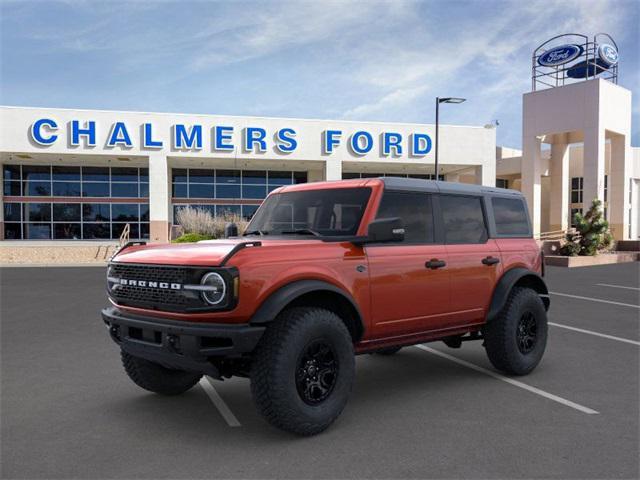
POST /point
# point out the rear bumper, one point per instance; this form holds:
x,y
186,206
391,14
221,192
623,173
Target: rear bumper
x,y
180,345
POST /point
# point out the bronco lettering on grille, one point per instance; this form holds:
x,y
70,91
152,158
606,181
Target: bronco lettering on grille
x,y
149,284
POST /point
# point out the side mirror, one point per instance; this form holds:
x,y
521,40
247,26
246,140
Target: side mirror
x,y
385,230
230,230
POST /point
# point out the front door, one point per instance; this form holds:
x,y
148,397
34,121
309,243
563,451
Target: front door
x,y
409,280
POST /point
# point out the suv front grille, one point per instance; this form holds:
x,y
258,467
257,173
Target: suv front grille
x,y
159,287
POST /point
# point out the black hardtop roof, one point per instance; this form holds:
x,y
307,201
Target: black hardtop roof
x,y
418,185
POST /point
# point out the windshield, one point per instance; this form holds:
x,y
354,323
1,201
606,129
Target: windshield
x,y
327,212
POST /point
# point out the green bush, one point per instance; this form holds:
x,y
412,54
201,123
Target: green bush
x,y
592,233
192,238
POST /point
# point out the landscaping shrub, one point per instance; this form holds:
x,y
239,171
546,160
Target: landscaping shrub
x,y
191,238
592,233
200,222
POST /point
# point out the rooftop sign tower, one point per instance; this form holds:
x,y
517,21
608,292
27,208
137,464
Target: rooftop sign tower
x,y
575,99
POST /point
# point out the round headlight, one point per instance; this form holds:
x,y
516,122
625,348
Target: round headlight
x,y
215,288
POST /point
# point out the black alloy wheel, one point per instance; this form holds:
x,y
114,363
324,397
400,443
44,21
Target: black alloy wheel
x,y
317,372
527,332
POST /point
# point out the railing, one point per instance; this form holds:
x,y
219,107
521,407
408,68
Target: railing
x,y
124,236
554,235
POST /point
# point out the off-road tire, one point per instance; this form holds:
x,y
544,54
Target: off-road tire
x,y
501,334
277,361
388,351
156,378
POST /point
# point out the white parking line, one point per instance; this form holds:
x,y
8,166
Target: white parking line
x,y
595,300
590,332
227,414
511,381
617,286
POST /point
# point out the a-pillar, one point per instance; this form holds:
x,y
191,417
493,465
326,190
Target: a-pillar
x,y
531,178
559,168
593,166
159,198
333,169
618,188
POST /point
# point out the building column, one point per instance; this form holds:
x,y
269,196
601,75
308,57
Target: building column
x,y
333,169
619,187
486,174
531,178
593,166
559,201
159,198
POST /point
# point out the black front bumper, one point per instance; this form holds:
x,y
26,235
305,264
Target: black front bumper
x,y
180,345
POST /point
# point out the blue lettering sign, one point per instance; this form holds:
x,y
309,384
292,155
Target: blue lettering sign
x,y
89,131
331,140
189,139
119,136
255,136
358,147
222,135
286,142
37,134
147,138
391,140
421,144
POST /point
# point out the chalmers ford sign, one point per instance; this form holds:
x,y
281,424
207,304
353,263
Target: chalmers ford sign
x,y
46,132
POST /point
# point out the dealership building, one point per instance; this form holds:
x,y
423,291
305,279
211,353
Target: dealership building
x,y
86,174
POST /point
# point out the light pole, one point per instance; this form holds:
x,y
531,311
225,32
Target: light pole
x,y
438,102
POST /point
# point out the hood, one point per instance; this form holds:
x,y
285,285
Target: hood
x,y
209,253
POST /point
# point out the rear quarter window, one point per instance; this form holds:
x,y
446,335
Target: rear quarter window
x,y
510,216
463,219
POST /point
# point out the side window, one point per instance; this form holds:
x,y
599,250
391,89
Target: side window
x,y
510,216
415,211
463,219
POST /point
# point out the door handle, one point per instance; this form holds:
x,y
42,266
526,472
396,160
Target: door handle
x,y
490,260
435,263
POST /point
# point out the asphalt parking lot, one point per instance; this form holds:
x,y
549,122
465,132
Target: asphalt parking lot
x,y
68,410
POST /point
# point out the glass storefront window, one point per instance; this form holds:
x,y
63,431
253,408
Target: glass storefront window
x,y
96,212
66,189
66,173
124,212
66,212
129,190
95,189
197,190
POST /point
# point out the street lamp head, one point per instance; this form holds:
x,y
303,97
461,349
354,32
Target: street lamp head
x,y
451,100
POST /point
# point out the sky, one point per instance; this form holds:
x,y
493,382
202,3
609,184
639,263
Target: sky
x,y
345,60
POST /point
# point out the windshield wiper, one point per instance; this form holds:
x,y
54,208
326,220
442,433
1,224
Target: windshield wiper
x,y
255,232
301,231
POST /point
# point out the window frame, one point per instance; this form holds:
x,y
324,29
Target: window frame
x,y
437,232
485,217
494,226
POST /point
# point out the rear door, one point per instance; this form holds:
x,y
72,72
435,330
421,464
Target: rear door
x,y
474,258
410,279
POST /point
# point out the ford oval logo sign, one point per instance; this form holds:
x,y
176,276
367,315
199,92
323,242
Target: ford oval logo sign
x,y
560,55
608,54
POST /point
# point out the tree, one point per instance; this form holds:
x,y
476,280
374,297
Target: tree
x,y
592,233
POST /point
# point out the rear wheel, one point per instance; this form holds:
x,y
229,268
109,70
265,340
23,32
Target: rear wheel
x,y
303,370
156,378
516,340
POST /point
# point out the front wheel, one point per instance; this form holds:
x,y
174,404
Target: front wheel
x,y
516,340
303,370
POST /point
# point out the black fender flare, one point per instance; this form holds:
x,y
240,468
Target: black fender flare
x,y
508,281
278,300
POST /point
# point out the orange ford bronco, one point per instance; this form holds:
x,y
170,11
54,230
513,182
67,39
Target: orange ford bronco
x,y
325,271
